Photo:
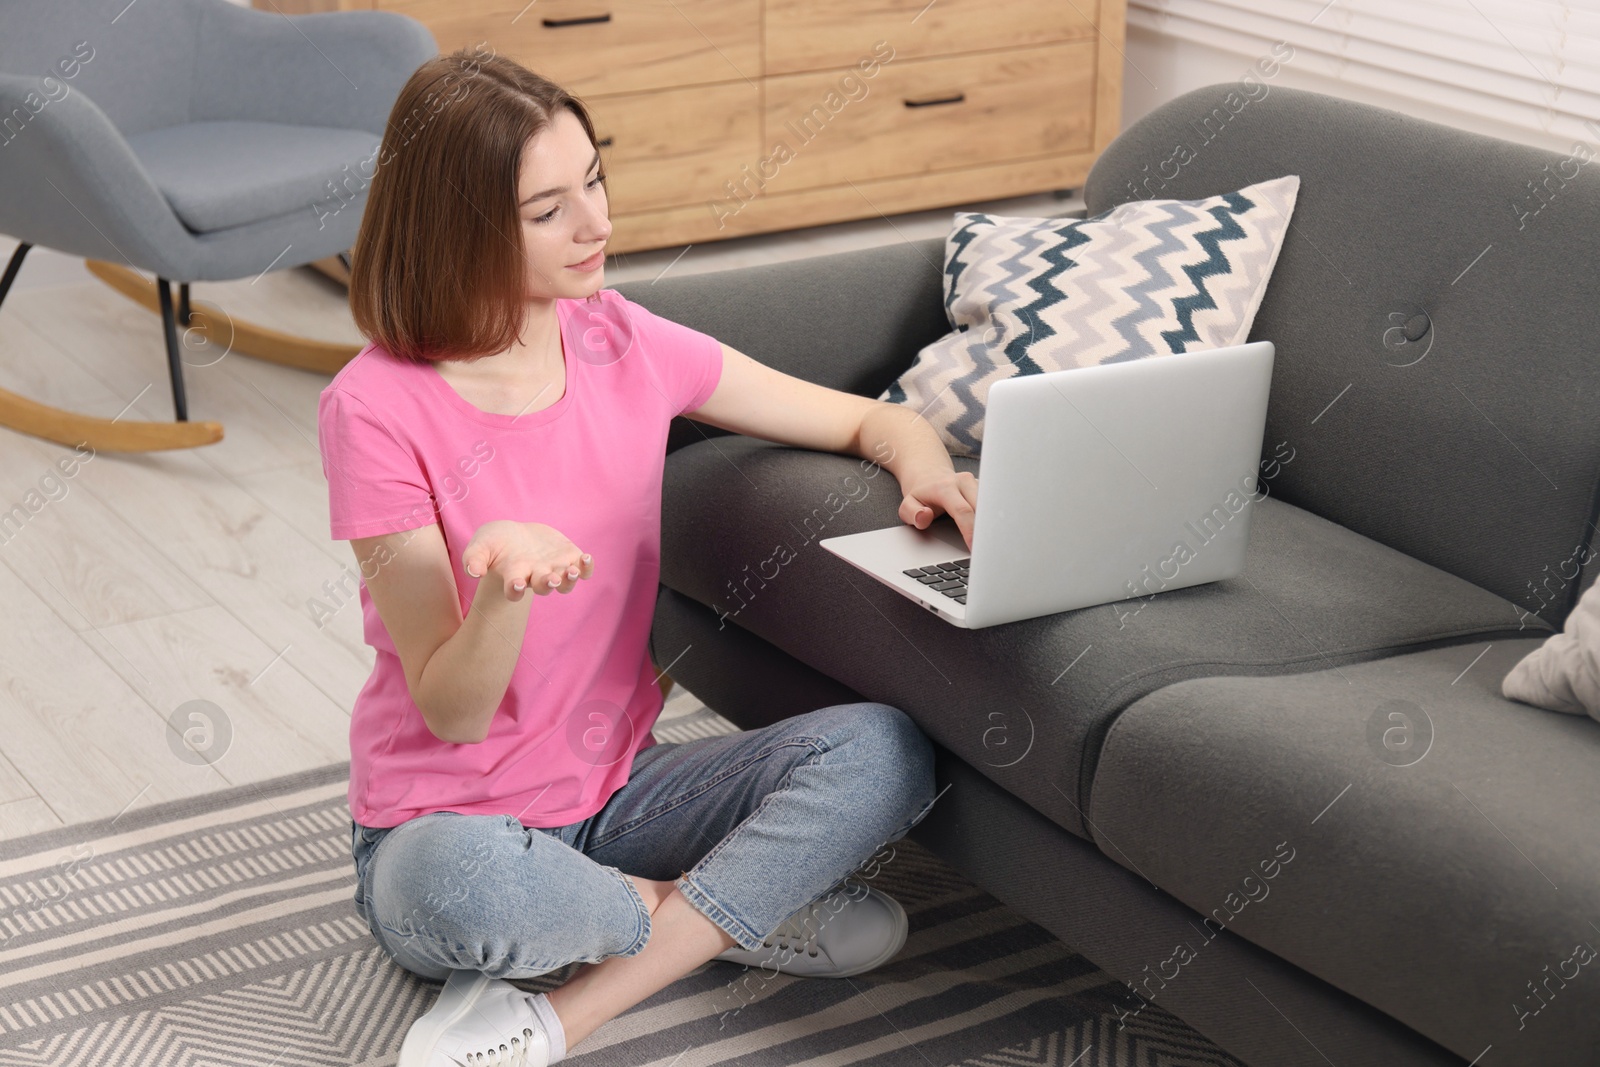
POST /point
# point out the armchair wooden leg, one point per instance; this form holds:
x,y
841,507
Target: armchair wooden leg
x,y
103,435
666,685
261,342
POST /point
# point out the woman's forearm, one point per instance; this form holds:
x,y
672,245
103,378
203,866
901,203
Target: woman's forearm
x,y
465,680
901,440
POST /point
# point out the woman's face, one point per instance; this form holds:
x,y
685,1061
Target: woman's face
x,y
563,210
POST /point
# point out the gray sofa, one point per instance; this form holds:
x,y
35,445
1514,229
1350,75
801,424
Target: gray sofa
x,y
1291,808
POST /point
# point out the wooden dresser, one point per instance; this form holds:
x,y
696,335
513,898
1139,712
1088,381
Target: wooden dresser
x,y
720,118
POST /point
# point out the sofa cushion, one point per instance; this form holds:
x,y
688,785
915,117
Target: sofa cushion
x,y
1028,702
218,175
1442,843
1434,315
1145,279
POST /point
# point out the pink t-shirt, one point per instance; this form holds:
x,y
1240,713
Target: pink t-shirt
x,y
401,449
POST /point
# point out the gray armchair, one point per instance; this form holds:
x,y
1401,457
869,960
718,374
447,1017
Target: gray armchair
x,y
196,140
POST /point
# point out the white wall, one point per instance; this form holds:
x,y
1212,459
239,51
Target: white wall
x,y
1160,67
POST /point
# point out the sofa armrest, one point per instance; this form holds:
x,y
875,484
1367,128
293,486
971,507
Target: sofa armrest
x,y
852,321
342,69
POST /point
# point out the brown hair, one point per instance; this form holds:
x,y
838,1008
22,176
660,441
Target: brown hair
x,y
437,271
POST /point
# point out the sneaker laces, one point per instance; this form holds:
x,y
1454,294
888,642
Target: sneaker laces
x,y
506,1054
798,933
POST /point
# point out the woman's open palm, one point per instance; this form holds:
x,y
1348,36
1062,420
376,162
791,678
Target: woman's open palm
x,y
524,554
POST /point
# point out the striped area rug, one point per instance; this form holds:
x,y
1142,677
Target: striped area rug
x,y
220,931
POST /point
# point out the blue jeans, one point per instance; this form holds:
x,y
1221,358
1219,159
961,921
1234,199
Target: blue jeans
x,y
752,826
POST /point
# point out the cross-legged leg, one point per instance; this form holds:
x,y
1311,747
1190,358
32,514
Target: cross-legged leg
x,y
755,825
710,843
681,939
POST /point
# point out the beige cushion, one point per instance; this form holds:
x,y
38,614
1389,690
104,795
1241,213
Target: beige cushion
x,y
1563,674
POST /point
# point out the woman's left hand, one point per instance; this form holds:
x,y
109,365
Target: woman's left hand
x,y
931,493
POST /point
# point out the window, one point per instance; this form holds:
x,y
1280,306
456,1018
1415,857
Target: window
x,y
1532,65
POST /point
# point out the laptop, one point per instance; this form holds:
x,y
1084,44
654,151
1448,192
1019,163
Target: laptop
x,y
1096,484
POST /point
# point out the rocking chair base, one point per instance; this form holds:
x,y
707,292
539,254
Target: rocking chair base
x,y
114,435
108,435
274,346
101,435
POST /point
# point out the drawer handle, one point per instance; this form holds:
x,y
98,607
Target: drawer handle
x,y
956,99
604,142
556,24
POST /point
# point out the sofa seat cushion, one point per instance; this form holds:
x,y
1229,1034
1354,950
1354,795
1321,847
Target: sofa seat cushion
x,y
1442,839
218,175
1027,703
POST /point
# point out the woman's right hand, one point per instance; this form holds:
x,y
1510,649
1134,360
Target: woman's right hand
x,y
525,554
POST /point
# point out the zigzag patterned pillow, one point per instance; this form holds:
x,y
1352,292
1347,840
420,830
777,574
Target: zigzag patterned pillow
x,y
1147,278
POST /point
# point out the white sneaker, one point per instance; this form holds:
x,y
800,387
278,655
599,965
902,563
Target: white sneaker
x,y
477,1020
846,932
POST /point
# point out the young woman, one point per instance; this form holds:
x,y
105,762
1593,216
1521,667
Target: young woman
x,y
504,434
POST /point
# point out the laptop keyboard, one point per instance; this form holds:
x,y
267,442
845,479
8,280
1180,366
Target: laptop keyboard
x,y
947,578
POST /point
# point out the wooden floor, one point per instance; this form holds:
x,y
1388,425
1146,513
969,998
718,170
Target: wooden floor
x,y
133,585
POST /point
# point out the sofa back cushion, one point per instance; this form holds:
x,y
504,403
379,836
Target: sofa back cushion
x,y
1436,315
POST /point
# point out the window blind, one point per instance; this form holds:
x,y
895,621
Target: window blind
x,y
1532,64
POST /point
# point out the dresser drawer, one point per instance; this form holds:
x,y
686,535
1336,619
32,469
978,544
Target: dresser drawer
x,y
926,115
605,46
675,146
805,35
